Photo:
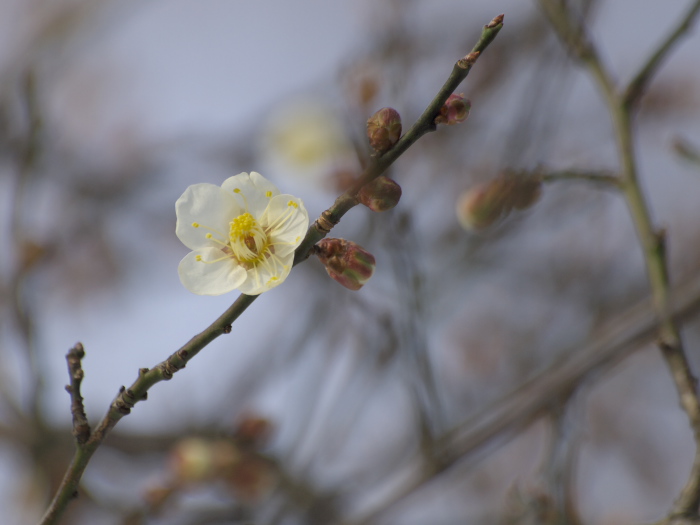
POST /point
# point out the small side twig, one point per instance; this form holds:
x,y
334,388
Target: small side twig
x,y
598,177
81,428
637,86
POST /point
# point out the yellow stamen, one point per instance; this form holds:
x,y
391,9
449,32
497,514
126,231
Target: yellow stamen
x,y
247,239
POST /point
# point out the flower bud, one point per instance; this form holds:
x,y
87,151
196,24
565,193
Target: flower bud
x,y
455,110
480,207
384,129
483,205
191,461
381,194
346,262
194,460
252,478
252,431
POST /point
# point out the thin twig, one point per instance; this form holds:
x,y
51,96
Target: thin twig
x,y
598,177
128,397
81,428
637,86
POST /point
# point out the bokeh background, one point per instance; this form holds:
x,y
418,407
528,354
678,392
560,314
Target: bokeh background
x,y
326,399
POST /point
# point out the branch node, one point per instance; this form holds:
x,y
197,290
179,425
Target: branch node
x,y
469,60
227,329
325,222
167,371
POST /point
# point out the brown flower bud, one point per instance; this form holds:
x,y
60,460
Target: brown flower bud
x,y
381,194
455,110
346,262
384,129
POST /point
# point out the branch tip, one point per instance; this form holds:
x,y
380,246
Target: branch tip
x,y
81,429
497,21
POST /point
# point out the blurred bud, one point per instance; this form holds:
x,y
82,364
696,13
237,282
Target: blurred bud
x,y
381,194
191,460
455,110
30,254
346,262
384,129
479,207
252,479
483,205
156,497
252,432
194,459
341,179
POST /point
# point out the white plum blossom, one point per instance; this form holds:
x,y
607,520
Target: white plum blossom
x,y
242,235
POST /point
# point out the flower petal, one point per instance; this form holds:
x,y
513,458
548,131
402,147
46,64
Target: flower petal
x,y
256,189
267,275
218,275
287,221
209,206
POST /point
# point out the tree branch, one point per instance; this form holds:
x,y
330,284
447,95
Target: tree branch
x,y
128,397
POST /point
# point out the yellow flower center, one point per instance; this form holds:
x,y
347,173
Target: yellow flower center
x,y
247,239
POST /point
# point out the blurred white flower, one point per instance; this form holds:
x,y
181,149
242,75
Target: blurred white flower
x,y
243,235
307,142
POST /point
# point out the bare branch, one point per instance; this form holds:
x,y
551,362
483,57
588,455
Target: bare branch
x,y
81,428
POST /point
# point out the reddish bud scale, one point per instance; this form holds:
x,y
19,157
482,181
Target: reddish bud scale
x,y
384,129
346,262
455,110
381,194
